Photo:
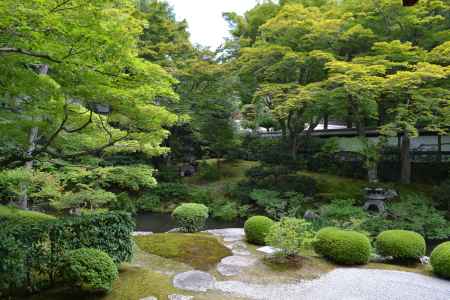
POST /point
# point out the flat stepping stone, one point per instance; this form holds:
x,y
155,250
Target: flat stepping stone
x,y
141,233
229,234
238,248
196,281
268,250
232,265
179,297
149,298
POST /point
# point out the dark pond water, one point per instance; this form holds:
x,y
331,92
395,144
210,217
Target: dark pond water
x,y
160,222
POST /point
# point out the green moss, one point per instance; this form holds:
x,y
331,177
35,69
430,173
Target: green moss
x,y
201,251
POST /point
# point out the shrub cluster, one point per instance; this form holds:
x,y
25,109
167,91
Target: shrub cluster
x,y
256,228
440,260
342,246
400,244
34,245
90,270
290,235
190,217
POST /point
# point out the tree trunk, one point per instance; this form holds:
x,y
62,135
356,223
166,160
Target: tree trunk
x,y
405,159
42,69
325,122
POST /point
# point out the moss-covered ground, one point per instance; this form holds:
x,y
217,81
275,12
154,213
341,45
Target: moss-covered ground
x,y
200,251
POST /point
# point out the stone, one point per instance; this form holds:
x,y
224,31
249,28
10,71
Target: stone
x,y
378,204
268,250
149,298
141,233
229,234
424,260
179,297
232,265
310,215
238,248
196,281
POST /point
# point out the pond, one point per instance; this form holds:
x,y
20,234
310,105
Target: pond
x,y
163,222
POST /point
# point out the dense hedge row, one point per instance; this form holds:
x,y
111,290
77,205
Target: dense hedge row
x,y
33,246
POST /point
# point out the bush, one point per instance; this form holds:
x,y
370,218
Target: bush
x,y
290,235
412,213
148,202
12,262
256,228
440,260
441,195
41,241
90,270
342,246
224,210
172,192
400,244
208,172
190,217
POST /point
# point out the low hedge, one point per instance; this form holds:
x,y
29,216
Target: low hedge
x,y
89,270
256,228
34,245
342,246
400,244
440,260
190,217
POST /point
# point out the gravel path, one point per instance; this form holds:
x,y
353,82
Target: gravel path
x,y
348,284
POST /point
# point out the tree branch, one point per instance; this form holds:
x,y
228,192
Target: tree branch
x,y
29,53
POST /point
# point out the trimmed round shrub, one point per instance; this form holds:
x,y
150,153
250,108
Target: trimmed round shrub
x,y
256,228
342,246
401,244
440,260
90,270
190,217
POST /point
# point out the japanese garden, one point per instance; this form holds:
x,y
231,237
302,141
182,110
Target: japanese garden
x,y
306,157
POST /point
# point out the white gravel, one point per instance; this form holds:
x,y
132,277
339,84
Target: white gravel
x,y
348,284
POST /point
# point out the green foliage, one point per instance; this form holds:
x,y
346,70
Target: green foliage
x,y
190,217
43,240
278,205
256,229
209,172
224,210
131,178
290,235
413,212
440,260
90,270
172,192
148,202
401,244
343,246
342,213
120,81
441,195
39,187
85,197
12,262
